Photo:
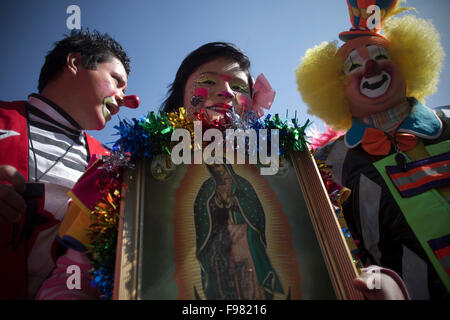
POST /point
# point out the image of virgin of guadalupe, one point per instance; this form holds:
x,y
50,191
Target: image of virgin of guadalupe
x,y
231,243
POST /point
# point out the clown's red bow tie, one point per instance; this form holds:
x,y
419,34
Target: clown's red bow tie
x,y
378,143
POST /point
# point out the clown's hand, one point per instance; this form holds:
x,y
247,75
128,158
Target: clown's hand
x,y
377,283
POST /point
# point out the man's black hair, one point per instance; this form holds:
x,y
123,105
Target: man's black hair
x,y
93,47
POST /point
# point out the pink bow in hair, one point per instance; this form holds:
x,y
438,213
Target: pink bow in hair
x,y
263,96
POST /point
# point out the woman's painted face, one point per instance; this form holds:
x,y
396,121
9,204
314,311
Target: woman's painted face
x,y
375,82
217,87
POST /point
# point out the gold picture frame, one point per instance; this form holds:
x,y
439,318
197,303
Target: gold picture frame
x,y
135,261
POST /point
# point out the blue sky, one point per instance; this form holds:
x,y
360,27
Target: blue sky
x,y
158,34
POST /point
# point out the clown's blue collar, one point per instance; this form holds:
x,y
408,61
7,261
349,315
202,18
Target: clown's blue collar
x,y
422,122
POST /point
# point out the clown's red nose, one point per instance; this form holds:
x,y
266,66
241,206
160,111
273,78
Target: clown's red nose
x,y
372,69
131,101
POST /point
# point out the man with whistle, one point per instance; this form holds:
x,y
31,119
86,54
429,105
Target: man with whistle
x,y
44,149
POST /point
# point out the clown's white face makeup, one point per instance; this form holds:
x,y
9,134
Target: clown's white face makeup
x,y
375,82
216,87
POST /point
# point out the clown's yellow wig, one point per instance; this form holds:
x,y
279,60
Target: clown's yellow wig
x,y
414,46
321,83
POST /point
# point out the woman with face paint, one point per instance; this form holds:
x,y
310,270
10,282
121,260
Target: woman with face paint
x,y
215,81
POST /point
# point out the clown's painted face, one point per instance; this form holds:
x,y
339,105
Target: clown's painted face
x,y
91,86
217,87
375,82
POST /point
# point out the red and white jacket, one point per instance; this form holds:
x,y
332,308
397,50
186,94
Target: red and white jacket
x,y
14,249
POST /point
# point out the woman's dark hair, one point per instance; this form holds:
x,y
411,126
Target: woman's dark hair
x,y
206,53
93,47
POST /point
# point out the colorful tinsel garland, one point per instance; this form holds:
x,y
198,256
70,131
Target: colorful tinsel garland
x,y
151,135
104,226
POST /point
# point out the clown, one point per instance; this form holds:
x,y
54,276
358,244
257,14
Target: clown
x,y
395,154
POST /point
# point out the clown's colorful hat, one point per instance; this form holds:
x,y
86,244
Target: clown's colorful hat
x,y
363,20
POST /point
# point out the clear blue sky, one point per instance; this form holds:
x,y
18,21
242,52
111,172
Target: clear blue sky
x,y
158,34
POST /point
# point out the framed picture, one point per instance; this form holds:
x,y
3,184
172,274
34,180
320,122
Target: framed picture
x,y
223,231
